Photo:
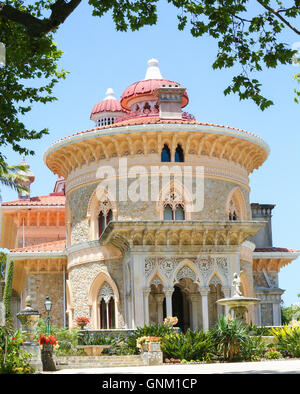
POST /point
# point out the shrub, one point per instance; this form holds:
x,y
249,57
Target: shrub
x,y
8,295
13,359
67,341
273,354
253,348
155,330
189,346
288,340
228,336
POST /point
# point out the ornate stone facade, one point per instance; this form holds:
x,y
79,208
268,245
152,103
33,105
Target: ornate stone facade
x,y
155,207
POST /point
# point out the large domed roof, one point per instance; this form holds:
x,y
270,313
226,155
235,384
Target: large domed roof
x,y
147,86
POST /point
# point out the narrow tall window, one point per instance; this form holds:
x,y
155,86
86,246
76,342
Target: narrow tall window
x,y
106,302
179,156
165,154
168,213
173,207
105,216
179,213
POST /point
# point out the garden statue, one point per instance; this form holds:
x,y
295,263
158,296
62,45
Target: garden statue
x,y
236,284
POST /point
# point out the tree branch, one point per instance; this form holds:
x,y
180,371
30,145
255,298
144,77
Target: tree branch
x,y
278,15
36,27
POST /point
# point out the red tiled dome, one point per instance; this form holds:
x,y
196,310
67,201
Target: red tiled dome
x,y
111,105
146,87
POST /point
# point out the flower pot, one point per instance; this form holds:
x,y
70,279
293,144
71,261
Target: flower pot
x,y
81,324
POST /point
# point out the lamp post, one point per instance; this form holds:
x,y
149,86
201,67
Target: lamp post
x,y
48,307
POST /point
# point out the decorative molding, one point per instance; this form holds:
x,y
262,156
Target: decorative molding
x,y
205,267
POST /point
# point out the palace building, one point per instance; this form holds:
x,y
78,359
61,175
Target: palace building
x,y
150,217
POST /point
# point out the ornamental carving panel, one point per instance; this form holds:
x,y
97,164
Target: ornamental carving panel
x,y
106,293
186,272
205,266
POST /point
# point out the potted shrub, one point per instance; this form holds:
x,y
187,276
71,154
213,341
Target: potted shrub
x,y
82,321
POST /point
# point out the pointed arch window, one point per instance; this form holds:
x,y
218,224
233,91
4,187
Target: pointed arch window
x,y
179,156
173,207
179,212
106,303
232,210
105,215
165,154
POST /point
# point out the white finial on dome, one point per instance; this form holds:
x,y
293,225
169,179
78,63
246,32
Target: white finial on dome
x,y
110,94
153,71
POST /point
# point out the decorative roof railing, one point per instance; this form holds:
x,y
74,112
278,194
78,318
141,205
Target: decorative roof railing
x,y
148,113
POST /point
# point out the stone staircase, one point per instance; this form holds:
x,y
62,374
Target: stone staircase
x,y
68,362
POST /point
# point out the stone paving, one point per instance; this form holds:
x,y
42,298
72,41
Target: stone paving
x,y
262,367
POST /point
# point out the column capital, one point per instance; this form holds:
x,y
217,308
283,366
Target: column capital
x,y
146,291
204,291
168,291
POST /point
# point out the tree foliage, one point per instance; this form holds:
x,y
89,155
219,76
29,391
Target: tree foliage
x,y
248,35
7,296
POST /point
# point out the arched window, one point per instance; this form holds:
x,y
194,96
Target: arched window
x,y
179,212
105,216
173,207
165,154
147,108
179,156
106,302
168,213
232,210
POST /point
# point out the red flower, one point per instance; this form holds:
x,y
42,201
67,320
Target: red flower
x,y
47,340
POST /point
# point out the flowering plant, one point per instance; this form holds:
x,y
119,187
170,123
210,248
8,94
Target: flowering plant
x,y
82,319
47,340
146,340
294,323
171,320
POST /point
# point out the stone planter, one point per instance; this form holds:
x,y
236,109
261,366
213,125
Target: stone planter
x,y
47,357
93,350
152,355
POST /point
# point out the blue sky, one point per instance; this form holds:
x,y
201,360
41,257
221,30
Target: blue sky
x,y
99,57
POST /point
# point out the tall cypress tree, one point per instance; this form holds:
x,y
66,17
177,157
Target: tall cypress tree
x,y
7,297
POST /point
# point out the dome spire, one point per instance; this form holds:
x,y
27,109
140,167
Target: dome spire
x,y
110,94
153,71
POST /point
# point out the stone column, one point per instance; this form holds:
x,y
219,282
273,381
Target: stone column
x,y
159,298
138,273
146,293
276,314
168,292
195,298
204,293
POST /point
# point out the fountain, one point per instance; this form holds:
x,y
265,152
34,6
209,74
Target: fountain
x,y
29,318
238,304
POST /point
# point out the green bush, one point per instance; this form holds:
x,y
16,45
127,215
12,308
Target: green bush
x,y
67,341
189,346
228,336
288,340
273,354
153,330
253,348
13,359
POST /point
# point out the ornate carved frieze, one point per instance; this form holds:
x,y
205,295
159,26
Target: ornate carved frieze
x,y
204,267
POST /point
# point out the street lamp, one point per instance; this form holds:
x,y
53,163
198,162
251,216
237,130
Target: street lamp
x,y
48,307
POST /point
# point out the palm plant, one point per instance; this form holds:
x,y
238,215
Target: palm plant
x,y
228,335
14,176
